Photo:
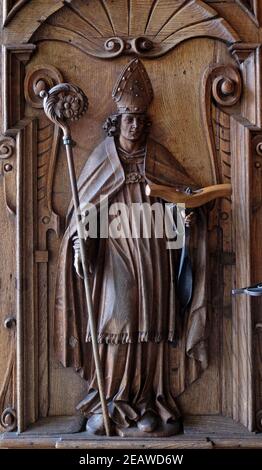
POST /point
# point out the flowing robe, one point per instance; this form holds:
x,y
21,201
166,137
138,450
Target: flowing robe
x,y
148,354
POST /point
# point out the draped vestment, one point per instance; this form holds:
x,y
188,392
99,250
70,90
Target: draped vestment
x,y
149,353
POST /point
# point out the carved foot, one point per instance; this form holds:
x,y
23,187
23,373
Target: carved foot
x,y
161,430
148,422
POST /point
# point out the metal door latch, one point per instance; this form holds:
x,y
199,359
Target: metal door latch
x,y
254,291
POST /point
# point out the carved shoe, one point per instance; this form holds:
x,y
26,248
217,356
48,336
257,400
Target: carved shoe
x,y
148,422
95,425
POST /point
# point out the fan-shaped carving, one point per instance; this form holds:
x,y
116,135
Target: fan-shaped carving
x,y
251,8
11,8
148,28
250,4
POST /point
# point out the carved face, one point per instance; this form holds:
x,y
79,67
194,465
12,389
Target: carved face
x,y
132,126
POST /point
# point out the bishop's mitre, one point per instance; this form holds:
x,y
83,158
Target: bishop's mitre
x,y
133,91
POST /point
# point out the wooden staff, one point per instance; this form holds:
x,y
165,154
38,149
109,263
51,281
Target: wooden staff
x,y
67,101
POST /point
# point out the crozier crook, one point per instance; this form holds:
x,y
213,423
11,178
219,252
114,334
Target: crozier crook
x,y
62,102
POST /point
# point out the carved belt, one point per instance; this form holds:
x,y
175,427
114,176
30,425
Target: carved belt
x,y
135,178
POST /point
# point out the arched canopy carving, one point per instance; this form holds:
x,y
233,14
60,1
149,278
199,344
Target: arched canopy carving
x,y
166,26
149,28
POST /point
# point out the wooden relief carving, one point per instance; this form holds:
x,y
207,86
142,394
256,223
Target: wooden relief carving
x,y
15,58
8,419
29,148
256,202
128,335
40,78
222,86
11,7
7,151
37,79
150,30
251,6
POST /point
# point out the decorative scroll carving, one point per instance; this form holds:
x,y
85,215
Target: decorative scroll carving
x,y
8,419
40,78
37,79
97,29
7,145
222,83
227,87
117,46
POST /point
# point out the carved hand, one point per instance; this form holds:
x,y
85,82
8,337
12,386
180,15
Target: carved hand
x,y
190,219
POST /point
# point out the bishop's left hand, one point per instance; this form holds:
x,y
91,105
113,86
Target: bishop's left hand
x,y
190,219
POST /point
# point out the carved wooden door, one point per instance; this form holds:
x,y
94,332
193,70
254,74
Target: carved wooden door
x,y
204,61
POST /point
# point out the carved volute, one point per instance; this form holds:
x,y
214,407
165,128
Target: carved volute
x,y
189,73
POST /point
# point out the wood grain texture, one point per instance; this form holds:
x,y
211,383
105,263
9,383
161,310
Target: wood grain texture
x,y
242,317
27,20
160,13
188,15
120,22
11,8
214,432
223,144
203,196
27,321
229,380
89,26
238,17
168,127
249,7
7,278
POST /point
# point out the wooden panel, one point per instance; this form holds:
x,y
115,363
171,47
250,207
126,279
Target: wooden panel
x,y
239,20
79,21
242,327
104,15
120,22
7,282
27,20
192,13
217,432
257,269
180,129
74,24
139,12
161,12
186,142
95,14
